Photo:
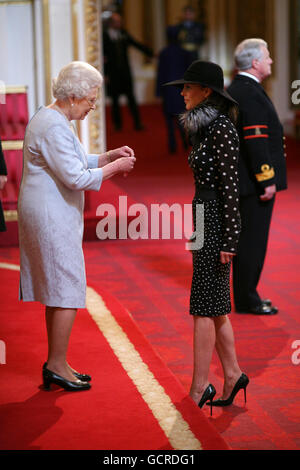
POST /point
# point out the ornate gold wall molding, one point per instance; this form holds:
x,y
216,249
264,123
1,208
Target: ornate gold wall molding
x,y
92,9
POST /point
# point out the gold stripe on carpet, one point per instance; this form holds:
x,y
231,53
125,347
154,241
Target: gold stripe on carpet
x,y
12,267
169,418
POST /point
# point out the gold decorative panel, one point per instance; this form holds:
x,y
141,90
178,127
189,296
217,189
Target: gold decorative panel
x,y
94,57
255,19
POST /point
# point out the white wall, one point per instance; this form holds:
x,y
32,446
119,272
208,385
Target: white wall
x,y
22,58
17,48
22,55
61,43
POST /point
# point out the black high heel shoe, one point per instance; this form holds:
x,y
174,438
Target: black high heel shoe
x,y
240,384
208,395
50,377
82,377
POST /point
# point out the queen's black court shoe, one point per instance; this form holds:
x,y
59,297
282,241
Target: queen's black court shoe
x,y
82,377
50,377
207,396
240,384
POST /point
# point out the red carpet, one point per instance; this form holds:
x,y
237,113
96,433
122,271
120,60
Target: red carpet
x,y
135,402
151,280
156,276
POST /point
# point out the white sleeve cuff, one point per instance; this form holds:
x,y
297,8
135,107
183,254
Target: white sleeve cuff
x,y
92,161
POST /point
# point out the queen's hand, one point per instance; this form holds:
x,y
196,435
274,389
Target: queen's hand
x,y
120,152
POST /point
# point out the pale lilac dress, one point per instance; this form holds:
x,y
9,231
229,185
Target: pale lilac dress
x,y
56,172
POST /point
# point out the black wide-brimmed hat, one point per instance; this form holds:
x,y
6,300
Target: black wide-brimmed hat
x,y
204,73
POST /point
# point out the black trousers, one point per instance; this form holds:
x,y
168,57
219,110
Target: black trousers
x,y
133,107
172,122
248,263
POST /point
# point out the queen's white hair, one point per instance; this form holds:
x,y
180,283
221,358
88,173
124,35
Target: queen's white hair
x,y
76,79
247,51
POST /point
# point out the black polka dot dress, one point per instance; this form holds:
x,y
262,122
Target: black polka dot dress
x,y
214,161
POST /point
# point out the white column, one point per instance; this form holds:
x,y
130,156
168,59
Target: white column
x,y
39,53
60,22
81,30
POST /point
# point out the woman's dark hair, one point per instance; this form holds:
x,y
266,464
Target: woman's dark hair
x,y
223,105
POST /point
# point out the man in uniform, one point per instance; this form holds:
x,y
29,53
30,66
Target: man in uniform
x,y
190,33
172,62
262,172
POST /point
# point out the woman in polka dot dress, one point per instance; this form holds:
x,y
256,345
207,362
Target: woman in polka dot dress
x,y
210,113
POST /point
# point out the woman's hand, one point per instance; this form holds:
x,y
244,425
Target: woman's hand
x,y
226,257
120,152
3,181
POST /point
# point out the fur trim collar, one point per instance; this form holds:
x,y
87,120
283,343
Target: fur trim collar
x,y
196,119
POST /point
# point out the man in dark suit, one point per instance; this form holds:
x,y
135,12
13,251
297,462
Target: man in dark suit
x,y
172,63
3,180
117,71
262,172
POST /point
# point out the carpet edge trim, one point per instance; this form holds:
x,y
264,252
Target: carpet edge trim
x,y
12,267
168,417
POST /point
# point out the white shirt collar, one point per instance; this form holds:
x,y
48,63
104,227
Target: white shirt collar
x,y
249,75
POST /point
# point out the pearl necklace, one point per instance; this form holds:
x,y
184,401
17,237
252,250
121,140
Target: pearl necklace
x,y
54,106
70,124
